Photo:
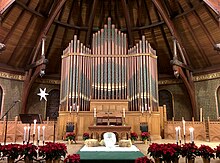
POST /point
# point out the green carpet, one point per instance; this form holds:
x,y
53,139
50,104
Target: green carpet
x,y
122,157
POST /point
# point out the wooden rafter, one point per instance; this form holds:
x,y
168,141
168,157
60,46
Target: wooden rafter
x,y
128,21
79,19
32,74
117,15
91,20
139,10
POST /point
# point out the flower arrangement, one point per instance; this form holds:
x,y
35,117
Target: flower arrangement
x,y
189,150
85,136
145,136
134,136
53,151
12,151
217,151
206,152
29,151
74,158
155,150
71,136
143,159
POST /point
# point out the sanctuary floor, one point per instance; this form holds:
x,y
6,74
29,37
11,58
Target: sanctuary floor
x,y
73,148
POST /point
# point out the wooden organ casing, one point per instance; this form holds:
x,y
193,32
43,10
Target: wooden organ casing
x,y
109,71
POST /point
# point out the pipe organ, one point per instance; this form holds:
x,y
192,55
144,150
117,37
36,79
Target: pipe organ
x,y
109,70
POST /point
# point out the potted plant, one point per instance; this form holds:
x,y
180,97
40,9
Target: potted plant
x,y
143,159
74,158
29,152
190,151
217,151
70,137
12,151
155,150
206,153
170,152
52,151
134,136
145,136
85,136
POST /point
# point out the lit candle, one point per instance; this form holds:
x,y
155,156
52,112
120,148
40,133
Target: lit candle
x,y
38,133
124,112
142,110
25,128
35,121
77,108
146,107
191,134
70,109
184,127
200,114
43,128
177,132
94,112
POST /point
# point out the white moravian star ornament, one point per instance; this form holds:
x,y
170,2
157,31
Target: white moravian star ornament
x,y
43,94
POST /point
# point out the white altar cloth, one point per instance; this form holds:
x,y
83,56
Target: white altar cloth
x,y
133,148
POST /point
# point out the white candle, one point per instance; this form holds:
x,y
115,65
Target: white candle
x,y
94,112
70,109
124,112
184,127
145,107
28,131
200,114
177,132
77,108
25,128
43,128
38,133
35,121
191,134
142,110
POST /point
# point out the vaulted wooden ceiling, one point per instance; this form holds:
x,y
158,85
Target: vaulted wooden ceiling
x,y
192,22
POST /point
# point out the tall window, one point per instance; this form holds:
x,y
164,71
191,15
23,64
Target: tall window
x,y
1,96
165,98
53,101
218,101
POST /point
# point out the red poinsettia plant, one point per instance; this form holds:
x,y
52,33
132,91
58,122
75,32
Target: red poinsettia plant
x,y
53,150
217,151
134,136
145,136
143,159
85,135
206,152
155,150
170,152
74,158
189,150
12,151
29,150
71,136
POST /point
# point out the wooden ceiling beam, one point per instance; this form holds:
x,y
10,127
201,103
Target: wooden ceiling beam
x,y
128,22
117,15
79,19
32,74
139,11
90,23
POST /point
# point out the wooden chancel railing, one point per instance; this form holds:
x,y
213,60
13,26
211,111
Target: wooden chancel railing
x,y
109,70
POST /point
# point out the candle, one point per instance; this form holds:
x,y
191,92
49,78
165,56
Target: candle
x,y
177,132
70,109
77,108
35,121
184,127
38,133
28,131
191,134
25,128
142,110
146,107
43,128
94,112
200,114
124,112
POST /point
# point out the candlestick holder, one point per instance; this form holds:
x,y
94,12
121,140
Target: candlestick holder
x,y
184,138
95,119
23,142
123,121
38,141
43,142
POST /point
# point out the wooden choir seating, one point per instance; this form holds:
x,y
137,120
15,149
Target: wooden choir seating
x,y
109,118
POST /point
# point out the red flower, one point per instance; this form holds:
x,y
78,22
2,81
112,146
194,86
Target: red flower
x,y
74,158
189,150
217,150
206,152
85,136
134,136
144,159
29,150
145,135
71,136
